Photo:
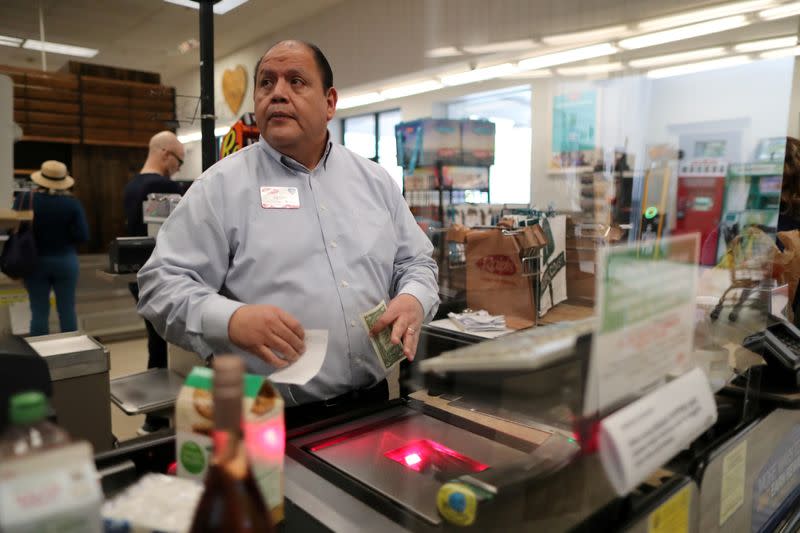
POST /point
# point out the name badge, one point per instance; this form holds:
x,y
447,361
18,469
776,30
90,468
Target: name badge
x,y
280,198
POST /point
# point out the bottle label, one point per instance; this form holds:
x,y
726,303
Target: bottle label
x,y
193,458
53,490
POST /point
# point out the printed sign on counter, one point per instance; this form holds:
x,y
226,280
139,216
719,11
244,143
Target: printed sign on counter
x,y
645,302
733,477
643,436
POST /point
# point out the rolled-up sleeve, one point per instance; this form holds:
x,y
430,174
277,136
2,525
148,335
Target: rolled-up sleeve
x,y
415,271
179,286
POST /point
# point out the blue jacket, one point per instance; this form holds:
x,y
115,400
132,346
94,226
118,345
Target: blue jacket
x,y
59,222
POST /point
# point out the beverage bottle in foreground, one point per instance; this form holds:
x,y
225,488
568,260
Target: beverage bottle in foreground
x,y
231,501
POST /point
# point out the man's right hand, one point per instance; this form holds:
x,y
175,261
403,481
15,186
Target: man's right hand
x,y
265,329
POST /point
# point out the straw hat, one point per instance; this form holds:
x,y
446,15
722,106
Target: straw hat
x,y
53,175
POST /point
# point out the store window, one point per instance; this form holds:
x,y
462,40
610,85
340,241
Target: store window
x,y
510,110
372,136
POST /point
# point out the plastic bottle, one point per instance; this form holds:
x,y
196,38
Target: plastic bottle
x,y
30,431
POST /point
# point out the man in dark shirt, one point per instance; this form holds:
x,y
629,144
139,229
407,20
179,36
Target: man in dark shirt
x,y
164,159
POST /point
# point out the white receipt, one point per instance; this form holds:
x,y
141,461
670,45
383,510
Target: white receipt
x,y
307,365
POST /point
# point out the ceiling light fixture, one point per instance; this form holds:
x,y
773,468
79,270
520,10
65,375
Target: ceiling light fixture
x,y
590,69
766,44
444,51
478,74
220,8
786,52
681,57
10,41
692,17
358,100
600,34
57,48
506,46
786,10
691,68
410,89
685,32
567,56
529,74
190,137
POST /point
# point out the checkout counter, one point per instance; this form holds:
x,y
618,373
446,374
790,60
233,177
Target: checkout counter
x,y
403,466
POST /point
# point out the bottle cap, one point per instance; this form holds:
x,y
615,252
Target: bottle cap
x,y
27,408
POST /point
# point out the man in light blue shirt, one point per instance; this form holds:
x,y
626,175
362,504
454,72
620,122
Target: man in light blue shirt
x,y
291,233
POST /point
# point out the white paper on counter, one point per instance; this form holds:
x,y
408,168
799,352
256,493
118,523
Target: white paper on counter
x,y
307,365
641,437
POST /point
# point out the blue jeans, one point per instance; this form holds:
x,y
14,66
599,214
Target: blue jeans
x,y
61,273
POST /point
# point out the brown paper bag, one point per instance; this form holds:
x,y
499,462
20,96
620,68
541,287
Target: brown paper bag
x,y
494,276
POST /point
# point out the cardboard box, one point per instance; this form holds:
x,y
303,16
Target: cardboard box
x,y
477,142
440,141
264,432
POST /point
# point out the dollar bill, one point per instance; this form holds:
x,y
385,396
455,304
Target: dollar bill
x,y
388,354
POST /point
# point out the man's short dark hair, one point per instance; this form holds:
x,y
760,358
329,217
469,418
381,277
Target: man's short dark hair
x,y
325,71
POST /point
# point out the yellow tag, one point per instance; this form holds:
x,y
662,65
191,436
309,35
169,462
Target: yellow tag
x,y
671,516
457,503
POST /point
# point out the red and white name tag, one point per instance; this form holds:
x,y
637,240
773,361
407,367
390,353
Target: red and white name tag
x,y
280,198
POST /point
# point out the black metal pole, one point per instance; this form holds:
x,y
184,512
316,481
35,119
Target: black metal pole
x,y
209,146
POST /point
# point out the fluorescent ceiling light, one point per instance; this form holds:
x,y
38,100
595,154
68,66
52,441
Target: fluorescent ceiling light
x,y
600,34
198,135
529,74
220,8
698,67
506,46
786,10
567,56
686,32
56,48
358,100
10,41
692,17
590,69
786,52
682,57
444,51
410,88
190,137
767,44
478,74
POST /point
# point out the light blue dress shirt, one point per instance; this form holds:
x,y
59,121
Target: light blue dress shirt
x,y
352,243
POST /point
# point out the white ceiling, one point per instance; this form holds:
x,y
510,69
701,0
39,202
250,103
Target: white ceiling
x,y
140,34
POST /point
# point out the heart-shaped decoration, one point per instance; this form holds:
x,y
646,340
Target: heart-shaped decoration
x,y
234,83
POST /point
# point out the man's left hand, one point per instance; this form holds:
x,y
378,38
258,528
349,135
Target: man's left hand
x,y
404,313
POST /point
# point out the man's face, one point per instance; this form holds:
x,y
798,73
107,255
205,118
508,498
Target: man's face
x,y
174,155
292,107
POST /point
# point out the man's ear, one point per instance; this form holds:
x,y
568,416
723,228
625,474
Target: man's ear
x,y
332,97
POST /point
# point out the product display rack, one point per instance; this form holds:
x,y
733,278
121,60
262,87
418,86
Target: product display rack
x,y
439,187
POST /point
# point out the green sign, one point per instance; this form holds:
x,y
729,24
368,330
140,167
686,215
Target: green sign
x,y
574,121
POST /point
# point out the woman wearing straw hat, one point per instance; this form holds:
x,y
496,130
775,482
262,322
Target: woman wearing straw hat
x,y
59,225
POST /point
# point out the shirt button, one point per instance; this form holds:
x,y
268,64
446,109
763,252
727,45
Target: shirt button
x,y
345,284
322,207
333,244
352,323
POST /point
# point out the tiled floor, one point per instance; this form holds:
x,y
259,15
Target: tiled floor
x,y
127,357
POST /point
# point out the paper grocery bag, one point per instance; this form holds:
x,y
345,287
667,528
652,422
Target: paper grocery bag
x,y
494,277
553,277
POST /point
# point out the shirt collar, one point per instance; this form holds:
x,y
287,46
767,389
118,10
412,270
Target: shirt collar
x,y
290,163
